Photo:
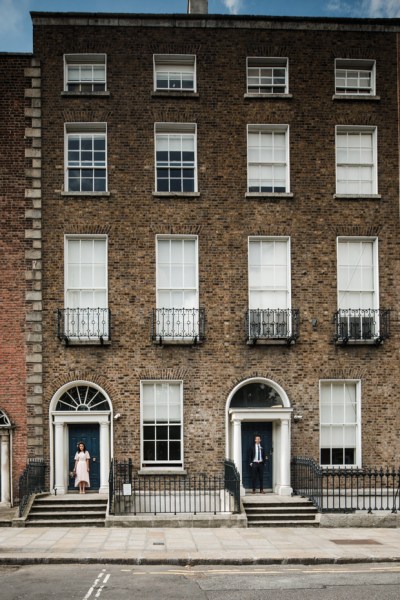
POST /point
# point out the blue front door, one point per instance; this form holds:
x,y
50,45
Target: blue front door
x,y
89,435
249,430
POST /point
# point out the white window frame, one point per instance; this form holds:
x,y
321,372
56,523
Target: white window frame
x,y
85,60
360,129
99,129
349,64
161,62
185,129
196,245
267,62
260,128
358,424
161,465
375,254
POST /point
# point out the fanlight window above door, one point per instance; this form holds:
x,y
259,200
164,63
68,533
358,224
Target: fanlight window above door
x,y
82,398
4,420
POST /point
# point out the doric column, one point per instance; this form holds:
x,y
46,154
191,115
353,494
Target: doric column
x,y
104,457
59,475
284,488
5,466
237,450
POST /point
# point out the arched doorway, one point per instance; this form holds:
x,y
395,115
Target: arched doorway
x,y
80,411
5,459
260,406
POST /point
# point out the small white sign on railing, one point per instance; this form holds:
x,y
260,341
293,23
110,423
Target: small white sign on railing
x,y
127,489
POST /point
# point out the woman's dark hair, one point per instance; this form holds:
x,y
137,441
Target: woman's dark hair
x,y
84,447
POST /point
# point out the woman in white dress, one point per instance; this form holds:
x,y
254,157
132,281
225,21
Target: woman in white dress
x,y
81,470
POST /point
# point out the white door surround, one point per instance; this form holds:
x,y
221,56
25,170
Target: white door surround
x,y
59,421
5,460
280,416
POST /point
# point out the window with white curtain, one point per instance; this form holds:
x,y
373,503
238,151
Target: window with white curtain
x,y
357,273
161,416
175,72
177,272
340,423
356,161
268,158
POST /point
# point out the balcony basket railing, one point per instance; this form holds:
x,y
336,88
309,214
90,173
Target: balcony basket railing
x,y
172,494
273,324
346,489
176,325
32,481
84,324
361,325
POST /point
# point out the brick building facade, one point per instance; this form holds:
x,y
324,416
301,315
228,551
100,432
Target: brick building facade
x,y
219,242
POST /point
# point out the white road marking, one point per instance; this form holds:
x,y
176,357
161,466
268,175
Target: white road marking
x,y
96,583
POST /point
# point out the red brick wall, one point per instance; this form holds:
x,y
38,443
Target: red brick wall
x,y
12,253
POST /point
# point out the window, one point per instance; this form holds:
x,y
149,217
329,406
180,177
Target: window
x,y
267,75
340,423
269,287
85,72
356,161
355,77
175,72
358,300
176,157
162,439
268,158
86,157
86,302
177,288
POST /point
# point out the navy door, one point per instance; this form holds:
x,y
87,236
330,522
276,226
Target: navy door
x,y
88,434
249,430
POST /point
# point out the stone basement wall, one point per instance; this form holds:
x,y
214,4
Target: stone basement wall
x,y
223,218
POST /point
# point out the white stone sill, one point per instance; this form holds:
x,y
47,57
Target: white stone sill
x,y
357,196
268,96
150,471
176,194
174,94
83,94
87,194
269,195
355,97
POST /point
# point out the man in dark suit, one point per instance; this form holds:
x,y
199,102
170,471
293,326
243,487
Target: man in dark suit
x,y
257,459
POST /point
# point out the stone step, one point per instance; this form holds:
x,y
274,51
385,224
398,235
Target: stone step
x,y
84,500
63,514
64,506
285,516
66,523
283,523
279,511
263,502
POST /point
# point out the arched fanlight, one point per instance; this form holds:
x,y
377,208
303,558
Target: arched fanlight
x,y
4,420
82,398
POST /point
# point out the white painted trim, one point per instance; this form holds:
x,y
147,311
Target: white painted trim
x,y
175,60
183,129
375,254
84,59
274,128
81,128
356,64
359,129
269,61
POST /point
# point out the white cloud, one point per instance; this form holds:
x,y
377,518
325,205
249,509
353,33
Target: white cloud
x,y
375,9
233,6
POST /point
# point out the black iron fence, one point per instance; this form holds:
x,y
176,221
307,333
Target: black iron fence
x,y
272,324
172,494
32,481
361,325
84,324
178,325
344,489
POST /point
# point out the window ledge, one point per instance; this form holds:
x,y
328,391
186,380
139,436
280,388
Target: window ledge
x,y
176,194
271,342
357,196
189,341
174,94
355,97
373,342
87,194
80,94
161,471
268,195
272,96
78,342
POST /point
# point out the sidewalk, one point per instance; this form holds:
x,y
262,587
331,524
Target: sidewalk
x,y
183,546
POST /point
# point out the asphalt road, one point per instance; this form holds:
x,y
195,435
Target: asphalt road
x,y
114,582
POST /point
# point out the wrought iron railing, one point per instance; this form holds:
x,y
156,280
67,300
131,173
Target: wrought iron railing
x,y
273,324
344,489
172,494
84,324
361,325
32,481
178,325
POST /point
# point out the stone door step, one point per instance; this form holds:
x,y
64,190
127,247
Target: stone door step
x,y
283,524
66,523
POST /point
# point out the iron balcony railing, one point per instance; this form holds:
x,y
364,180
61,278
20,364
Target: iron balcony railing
x,y
172,494
361,325
273,324
346,489
174,325
32,481
84,324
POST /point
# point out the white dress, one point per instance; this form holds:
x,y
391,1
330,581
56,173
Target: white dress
x,y
82,473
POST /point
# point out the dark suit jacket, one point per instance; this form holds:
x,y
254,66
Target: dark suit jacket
x,y
252,451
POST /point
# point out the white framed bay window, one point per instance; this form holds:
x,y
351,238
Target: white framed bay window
x,y
86,289
356,161
268,159
340,423
177,283
85,157
161,414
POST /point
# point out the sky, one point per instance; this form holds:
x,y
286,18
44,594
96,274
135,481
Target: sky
x,y
16,28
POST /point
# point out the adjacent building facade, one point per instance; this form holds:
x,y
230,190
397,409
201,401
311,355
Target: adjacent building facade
x,y
219,205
